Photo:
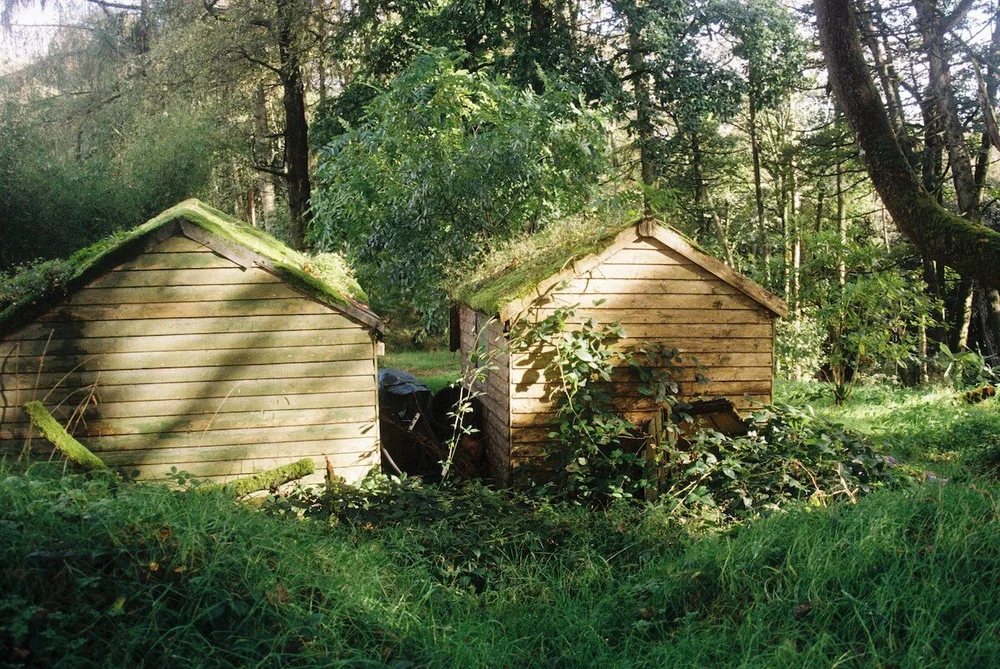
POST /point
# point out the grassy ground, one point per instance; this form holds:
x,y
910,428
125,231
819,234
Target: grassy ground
x,y
933,429
100,573
435,368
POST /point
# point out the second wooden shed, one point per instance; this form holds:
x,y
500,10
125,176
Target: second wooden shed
x,y
646,276
198,342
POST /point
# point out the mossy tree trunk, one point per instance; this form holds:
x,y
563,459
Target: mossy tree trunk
x,y
970,248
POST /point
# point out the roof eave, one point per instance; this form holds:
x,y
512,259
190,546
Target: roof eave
x,y
669,238
745,285
247,258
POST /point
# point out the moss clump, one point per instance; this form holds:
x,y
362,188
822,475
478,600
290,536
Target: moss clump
x,y
511,270
62,440
325,277
268,479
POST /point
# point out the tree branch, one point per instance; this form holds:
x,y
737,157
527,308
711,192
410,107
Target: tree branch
x,y
949,22
264,64
116,5
970,248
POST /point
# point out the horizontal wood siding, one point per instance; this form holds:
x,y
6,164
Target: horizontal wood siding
x,y
494,391
659,297
181,358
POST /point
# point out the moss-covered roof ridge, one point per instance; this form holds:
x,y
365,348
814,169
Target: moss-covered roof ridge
x,y
326,278
512,271
507,279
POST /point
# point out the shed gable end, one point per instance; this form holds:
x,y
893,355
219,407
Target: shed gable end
x,y
180,357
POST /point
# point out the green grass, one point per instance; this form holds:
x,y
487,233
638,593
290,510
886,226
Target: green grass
x,y
97,572
932,429
437,369
105,574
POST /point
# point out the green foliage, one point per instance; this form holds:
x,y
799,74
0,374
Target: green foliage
x,y
872,319
102,572
933,431
467,534
595,453
964,369
53,203
444,161
799,346
789,455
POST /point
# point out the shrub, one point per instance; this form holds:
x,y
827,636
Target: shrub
x,y
790,455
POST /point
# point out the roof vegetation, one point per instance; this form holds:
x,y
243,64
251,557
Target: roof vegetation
x,y
326,277
512,270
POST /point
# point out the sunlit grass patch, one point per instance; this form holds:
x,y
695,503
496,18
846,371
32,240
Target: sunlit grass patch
x,y
435,368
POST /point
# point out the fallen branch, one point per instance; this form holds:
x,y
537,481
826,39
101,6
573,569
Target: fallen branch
x,y
62,440
267,479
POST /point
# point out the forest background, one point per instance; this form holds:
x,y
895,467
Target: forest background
x,y
414,137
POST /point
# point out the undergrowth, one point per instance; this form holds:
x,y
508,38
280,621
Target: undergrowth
x,y
933,430
101,573
98,572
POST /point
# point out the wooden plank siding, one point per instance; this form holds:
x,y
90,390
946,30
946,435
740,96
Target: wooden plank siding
x,y
494,395
659,297
182,358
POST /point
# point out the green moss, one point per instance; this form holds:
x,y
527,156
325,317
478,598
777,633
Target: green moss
x,y
326,276
62,440
269,479
512,270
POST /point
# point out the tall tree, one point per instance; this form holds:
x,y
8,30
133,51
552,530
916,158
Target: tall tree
x,y
969,247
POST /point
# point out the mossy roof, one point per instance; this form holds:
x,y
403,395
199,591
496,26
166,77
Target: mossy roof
x,y
513,271
327,278
503,280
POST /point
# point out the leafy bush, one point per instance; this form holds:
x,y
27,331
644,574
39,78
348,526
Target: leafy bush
x,y
789,455
964,369
798,346
445,160
595,452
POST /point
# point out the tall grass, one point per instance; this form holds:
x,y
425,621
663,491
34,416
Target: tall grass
x,y
100,573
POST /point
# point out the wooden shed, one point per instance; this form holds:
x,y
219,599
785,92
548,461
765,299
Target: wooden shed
x,y
646,276
198,342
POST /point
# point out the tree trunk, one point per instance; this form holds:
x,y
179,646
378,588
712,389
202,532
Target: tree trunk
x,y
296,133
993,323
883,69
939,73
796,236
704,204
972,249
758,191
963,316
820,195
841,226
643,111
264,201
